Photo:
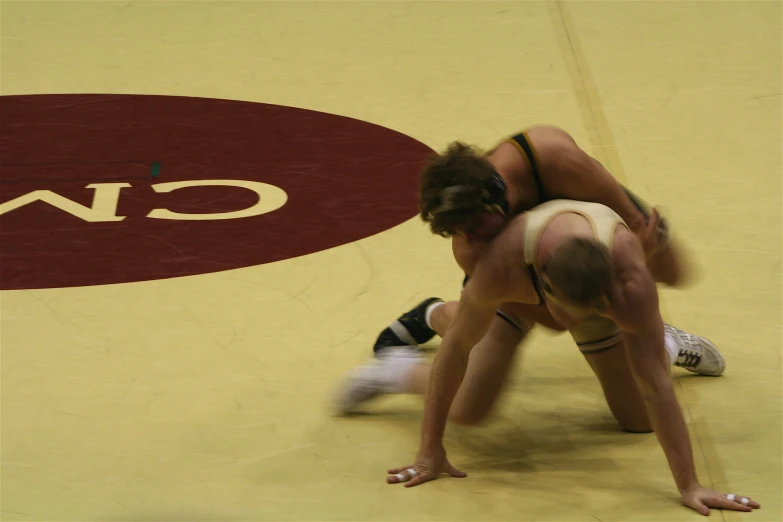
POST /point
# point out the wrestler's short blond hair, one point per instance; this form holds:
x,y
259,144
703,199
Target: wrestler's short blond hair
x,y
582,269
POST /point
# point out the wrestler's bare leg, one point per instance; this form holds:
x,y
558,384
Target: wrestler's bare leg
x,y
401,368
404,369
438,316
489,366
691,352
622,394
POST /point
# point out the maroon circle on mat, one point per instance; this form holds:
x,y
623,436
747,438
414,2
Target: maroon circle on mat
x,y
101,189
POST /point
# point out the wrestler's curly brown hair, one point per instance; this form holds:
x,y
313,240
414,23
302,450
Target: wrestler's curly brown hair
x,y
582,269
453,189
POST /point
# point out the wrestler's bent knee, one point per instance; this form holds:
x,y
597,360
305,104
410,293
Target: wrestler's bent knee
x,y
636,426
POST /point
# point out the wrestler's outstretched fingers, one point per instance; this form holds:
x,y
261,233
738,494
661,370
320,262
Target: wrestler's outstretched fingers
x,y
742,501
419,473
725,502
702,499
410,475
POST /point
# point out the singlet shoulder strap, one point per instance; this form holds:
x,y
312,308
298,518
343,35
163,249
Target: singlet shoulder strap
x,y
522,142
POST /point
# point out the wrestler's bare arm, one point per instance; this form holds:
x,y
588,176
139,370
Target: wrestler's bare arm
x,y
571,173
480,298
635,310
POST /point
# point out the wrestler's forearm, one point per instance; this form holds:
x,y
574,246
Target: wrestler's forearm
x,y
669,266
448,371
672,432
611,193
650,366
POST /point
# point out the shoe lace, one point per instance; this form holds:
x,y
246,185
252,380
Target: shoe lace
x,y
688,358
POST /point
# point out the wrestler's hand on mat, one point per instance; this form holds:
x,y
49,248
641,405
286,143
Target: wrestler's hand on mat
x,y
702,499
652,233
429,466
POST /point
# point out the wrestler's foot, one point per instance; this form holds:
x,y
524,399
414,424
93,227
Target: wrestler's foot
x,y
385,375
410,329
697,354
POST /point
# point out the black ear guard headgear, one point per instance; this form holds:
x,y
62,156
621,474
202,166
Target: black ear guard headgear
x,y
495,194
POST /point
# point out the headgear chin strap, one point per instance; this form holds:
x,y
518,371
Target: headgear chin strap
x,y
496,194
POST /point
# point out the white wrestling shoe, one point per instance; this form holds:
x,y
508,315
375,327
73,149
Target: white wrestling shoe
x,y
380,376
697,354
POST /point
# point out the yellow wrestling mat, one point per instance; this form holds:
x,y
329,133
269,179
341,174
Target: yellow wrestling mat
x,y
206,396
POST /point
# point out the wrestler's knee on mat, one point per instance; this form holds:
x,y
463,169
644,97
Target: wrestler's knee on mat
x,y
636,425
